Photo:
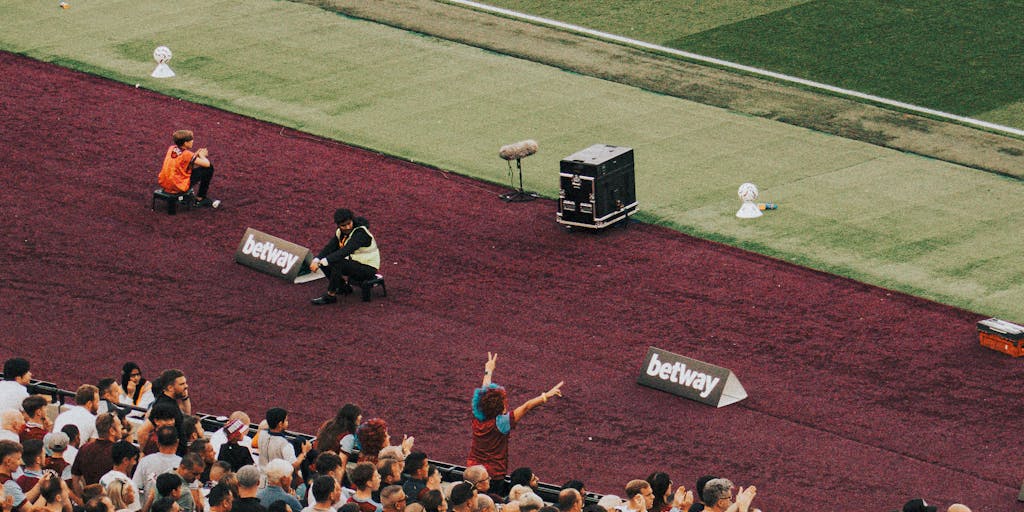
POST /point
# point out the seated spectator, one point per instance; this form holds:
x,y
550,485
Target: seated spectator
x,y
178,484
137,390
373,437
484,503
279,481
162,414
54,445
32,460
110,398
74,441
94,459
14,387
82,415
958,507
434,501
55,496
232,450
279,506
185,171
610,502
416,469
274,444
530,502
570,500
524,476
365,479
477,475
462,497
329,464
390,471
124,456
392,499
204,450
306,473
325,491
217,471
123,496
338,435
10,462
191,430
12,422
237,421
433,480
698,504
220,498
165,505
100,503
717,496
248,488
37,425
162,461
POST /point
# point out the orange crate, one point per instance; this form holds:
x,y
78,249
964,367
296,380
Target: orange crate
x,y
1001,344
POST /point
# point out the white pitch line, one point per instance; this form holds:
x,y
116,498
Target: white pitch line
x,y
748,69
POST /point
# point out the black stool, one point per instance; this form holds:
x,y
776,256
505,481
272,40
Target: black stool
x,y
172,200
367,286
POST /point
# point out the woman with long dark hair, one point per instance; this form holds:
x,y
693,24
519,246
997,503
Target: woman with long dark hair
x,y
338,435
137,390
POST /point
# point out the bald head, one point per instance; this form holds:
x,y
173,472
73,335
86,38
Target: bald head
x,y
957,507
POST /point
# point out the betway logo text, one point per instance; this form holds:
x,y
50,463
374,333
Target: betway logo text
x,y
266,251
678,373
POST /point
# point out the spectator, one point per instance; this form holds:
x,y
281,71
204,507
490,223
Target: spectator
x,y
220,498
37,425
160,415
180,487
365,479
94,459
698,504
462,497
82,415
373,437
232,450
306,473
14,387
202,448
165,505
123,496
162,461
433,501
957,507
279,482
570,500
54,446
492,423
325,491
416,467
918,505
484,503
530,502
55,495
137,390
393,499
248,488
191,430
338,435
329,464
526,477
575,484
275,445
390,474
717,496
237,421
110,398
171,388
12,422
74,440
433,480
477,475
279,506
124,456
32,459
10,462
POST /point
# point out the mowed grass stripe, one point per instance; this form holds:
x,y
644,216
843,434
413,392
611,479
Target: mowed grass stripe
x,y
847,207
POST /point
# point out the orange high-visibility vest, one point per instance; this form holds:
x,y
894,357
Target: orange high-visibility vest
x,y
175,175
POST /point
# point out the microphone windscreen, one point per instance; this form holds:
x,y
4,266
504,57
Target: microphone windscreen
x,y
518,150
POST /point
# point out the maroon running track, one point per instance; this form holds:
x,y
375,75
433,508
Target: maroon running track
x,y
860,398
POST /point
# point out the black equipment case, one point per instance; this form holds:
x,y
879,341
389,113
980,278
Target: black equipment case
x,y
596,187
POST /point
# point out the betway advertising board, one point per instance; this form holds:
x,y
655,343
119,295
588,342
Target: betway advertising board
x,y
277,257
690,378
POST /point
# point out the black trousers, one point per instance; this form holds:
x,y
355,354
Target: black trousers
x,y
355,271
201,177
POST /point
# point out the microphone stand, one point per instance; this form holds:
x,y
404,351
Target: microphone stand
x,y
519,196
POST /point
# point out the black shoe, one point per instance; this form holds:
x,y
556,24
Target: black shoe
x,y
207,202
346,289
325,299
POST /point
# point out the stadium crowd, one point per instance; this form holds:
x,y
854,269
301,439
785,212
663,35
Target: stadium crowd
x,y
131,445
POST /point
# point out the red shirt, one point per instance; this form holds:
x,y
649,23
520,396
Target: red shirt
x,y
490,446
93,461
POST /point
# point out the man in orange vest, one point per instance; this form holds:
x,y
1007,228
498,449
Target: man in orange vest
x,y
183,170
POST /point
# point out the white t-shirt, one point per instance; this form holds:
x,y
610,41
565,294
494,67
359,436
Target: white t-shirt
x,y
81,418
114,474
149,467
11,395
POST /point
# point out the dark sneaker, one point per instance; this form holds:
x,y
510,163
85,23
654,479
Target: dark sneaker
x,y
325,299
206,202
